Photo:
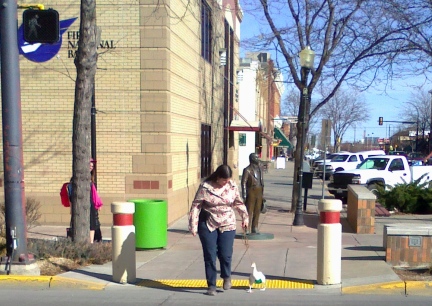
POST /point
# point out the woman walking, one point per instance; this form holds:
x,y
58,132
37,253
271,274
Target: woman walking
x,y
212,216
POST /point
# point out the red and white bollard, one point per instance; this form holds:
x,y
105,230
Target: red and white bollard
x,y
123,242
329,249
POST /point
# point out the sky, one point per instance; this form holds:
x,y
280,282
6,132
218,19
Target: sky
x,y
389,105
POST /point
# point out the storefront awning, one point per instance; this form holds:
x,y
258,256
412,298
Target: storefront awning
x,y
284,142
243,126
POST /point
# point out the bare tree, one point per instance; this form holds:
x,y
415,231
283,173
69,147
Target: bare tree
x,y
290,106
356,42
344,109
291,103
418,109
416,16
85,62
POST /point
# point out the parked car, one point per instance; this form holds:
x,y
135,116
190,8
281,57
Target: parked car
x,y
403,153
387,170
341,162
415,159
312,155
370,153
320,161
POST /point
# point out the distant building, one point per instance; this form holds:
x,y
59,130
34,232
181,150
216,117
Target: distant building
x,y
260,91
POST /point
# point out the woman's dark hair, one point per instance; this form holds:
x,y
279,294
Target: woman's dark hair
x,y
223,171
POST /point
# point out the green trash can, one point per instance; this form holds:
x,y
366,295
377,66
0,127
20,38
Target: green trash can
x,y
150,220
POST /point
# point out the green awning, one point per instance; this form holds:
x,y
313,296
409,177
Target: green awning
x,y
284,142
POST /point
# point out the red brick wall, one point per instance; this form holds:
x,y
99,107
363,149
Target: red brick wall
x,y
361,211
399,253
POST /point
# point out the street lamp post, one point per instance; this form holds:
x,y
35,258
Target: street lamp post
x,y
307,57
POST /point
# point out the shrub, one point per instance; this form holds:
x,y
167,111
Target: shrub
x,y
2,246
411,197
81,252
32,215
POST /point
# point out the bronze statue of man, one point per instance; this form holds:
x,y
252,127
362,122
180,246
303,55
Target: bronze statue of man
x,y
252,184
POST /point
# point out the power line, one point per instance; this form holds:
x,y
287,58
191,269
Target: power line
x,y
370,127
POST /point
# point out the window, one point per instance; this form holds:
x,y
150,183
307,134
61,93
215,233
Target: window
x,y
340,158
206,31
396,165
353,158
367,164
205,150
380,164
242,139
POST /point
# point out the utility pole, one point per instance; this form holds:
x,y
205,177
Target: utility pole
x,y
15,208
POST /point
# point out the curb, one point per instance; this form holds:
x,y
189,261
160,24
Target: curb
x,y
418,287
413,288
12,280
397,287
59,281
49,282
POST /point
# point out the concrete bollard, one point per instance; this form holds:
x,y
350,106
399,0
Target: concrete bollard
x,y
123,242
329,249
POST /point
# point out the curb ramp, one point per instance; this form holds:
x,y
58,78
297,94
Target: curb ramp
x,y
236,283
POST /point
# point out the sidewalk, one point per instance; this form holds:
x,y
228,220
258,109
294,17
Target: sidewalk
x,y
289,261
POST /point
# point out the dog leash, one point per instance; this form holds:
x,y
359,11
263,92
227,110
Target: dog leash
x,y
245,238
246,243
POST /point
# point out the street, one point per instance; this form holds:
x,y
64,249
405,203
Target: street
x,y
145,296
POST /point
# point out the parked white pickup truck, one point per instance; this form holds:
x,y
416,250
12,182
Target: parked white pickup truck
x,y
377,170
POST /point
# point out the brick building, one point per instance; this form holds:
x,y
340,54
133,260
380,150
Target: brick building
x,y
164,94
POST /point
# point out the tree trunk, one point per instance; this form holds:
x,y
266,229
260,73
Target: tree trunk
x,y
298,159
85,63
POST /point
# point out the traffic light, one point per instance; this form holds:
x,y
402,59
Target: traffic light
x,y
380,120
41,26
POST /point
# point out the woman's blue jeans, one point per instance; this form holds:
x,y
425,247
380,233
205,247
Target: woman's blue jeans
x,y
216,244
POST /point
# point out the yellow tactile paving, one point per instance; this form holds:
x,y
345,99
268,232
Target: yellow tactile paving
x,y
197,283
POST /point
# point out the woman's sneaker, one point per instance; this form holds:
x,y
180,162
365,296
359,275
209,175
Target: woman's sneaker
x,y
211,291
227,283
